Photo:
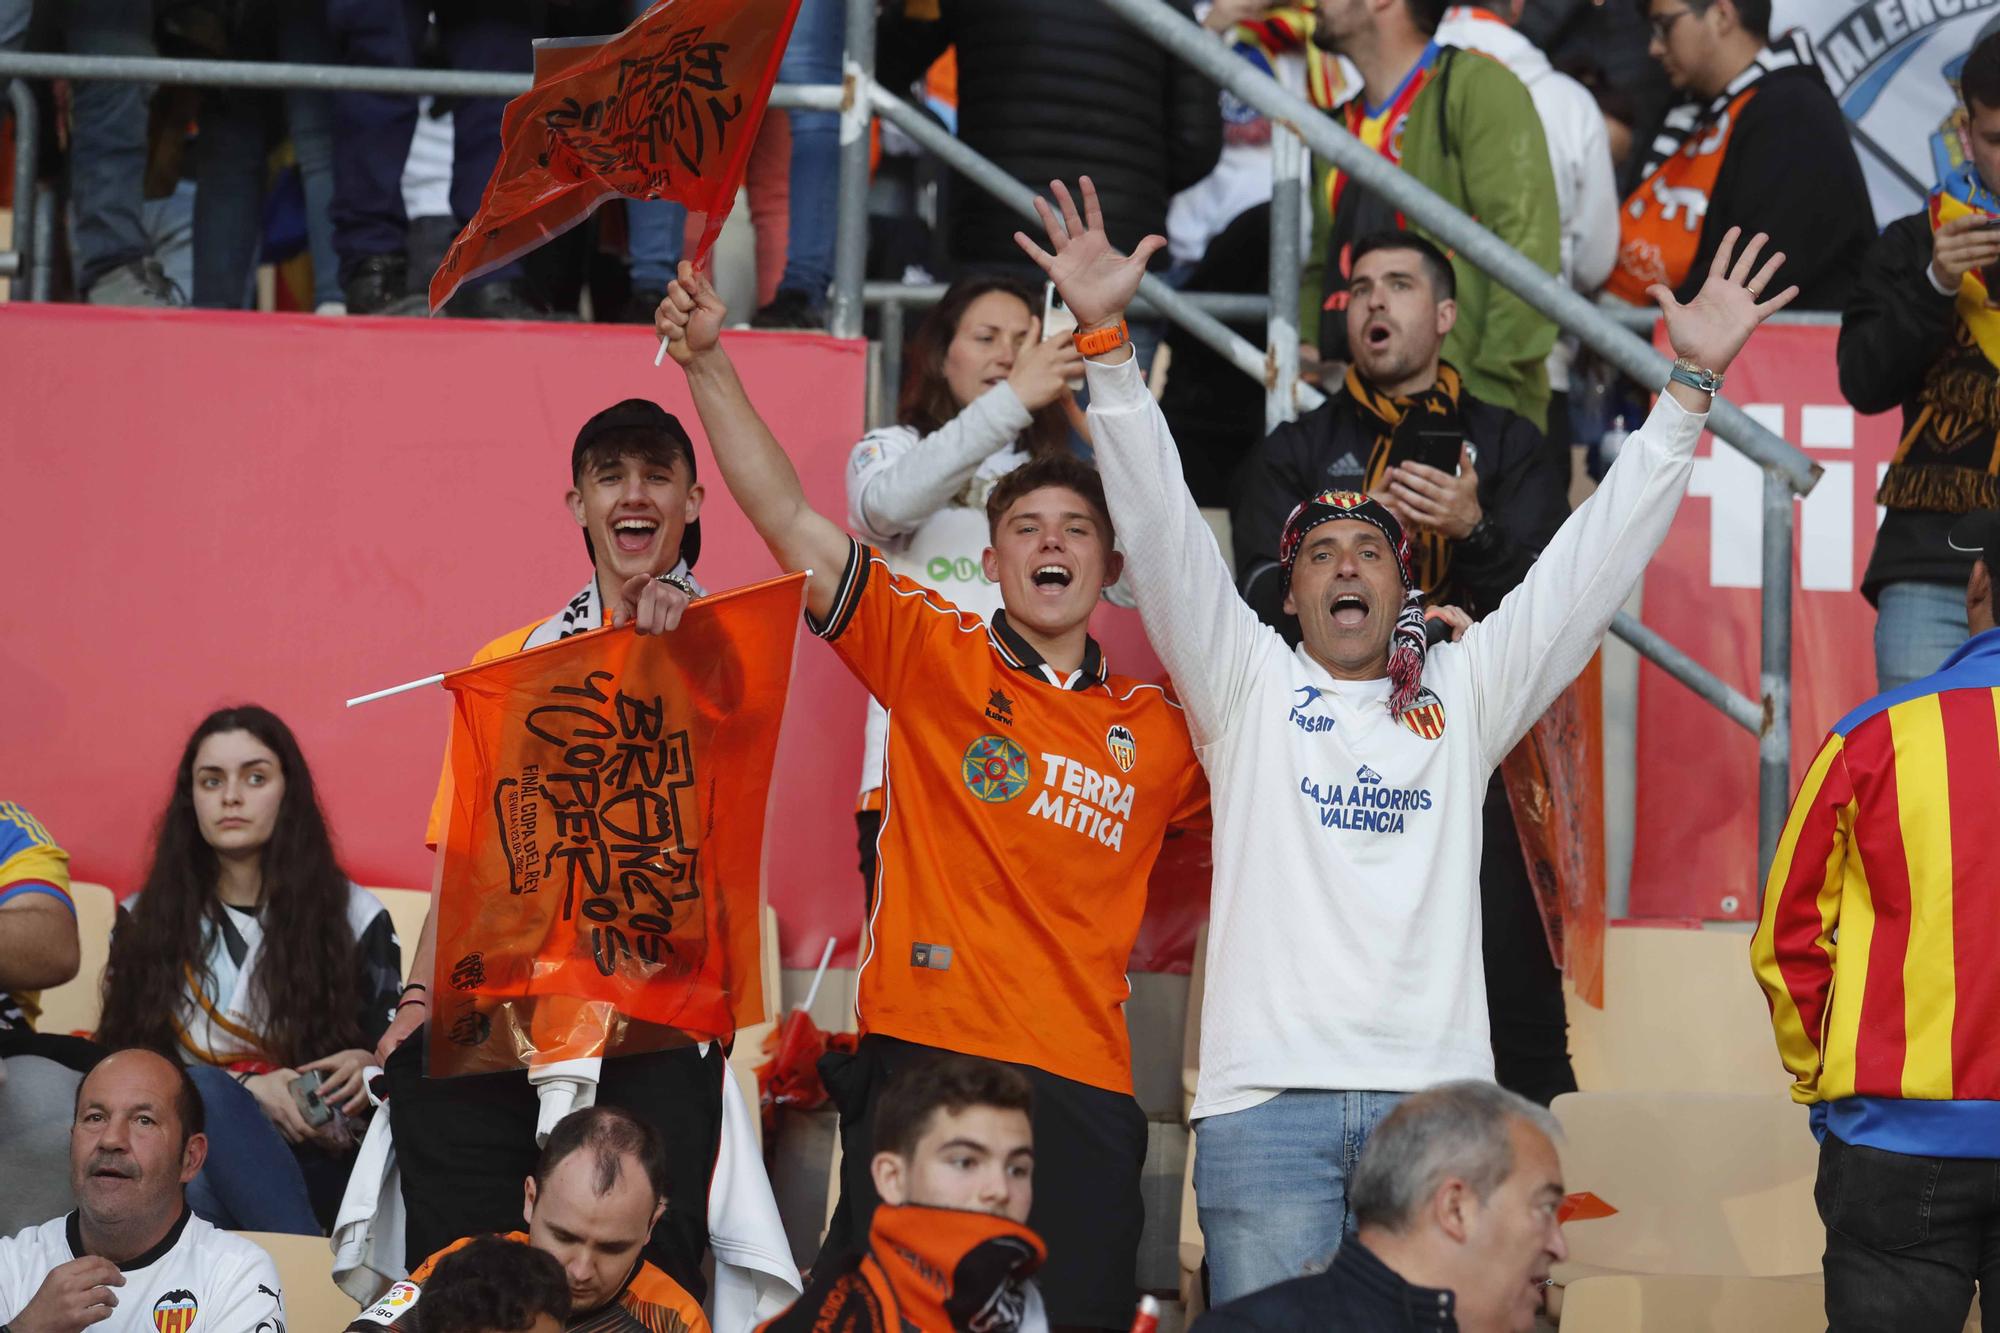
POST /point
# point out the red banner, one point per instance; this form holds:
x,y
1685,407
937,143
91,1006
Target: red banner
x,y
1695,849
606,834
667,109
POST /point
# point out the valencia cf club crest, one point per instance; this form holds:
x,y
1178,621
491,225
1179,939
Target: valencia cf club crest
x,y
176,1311
996,769
1124,749
1425,717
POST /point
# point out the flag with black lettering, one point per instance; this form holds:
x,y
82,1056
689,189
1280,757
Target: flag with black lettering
x,y
666,109
603,858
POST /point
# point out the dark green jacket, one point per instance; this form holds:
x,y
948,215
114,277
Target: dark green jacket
x,y
1473,136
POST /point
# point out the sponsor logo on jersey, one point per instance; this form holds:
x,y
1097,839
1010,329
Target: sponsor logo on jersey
x,y
1123,745
1081,799
996,769
1308,699
176,1311
1425,717
1366,805
1367,775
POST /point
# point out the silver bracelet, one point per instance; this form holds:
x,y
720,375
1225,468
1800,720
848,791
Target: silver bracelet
x,y
681,581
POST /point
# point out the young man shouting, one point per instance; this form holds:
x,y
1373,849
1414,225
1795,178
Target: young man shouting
x,y
1026,793
954,1164
1344,961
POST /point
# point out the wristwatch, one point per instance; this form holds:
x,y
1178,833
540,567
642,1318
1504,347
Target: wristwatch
x,y
1695,377
1099,341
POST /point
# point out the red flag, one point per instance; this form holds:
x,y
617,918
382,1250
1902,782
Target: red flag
x,y
603,863
667,109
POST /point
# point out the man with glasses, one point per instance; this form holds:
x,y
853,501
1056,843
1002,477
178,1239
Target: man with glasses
x,y
1759,143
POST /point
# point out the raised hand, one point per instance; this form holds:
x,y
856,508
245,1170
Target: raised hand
x,y
1711,329
1096,282
689,319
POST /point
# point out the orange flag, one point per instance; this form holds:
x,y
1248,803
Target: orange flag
x,y
667,109
603,861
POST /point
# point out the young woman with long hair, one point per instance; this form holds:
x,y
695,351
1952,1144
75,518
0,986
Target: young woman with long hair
x,y
249,956
982,393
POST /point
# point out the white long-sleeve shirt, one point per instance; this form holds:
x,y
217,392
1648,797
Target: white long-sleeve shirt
x,y
921,500
1344,944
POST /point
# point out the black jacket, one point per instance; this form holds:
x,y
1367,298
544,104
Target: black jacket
x,y
1357,1294
1056,89
1790,171
1895,328
1523,487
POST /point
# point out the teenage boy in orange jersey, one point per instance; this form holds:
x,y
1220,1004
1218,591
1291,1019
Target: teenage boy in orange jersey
x,y
1026,794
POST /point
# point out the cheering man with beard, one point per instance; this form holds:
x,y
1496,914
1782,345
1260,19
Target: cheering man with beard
x,y
1026,793
1343,955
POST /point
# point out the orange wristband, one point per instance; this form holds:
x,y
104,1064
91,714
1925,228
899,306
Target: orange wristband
x,y
1099,341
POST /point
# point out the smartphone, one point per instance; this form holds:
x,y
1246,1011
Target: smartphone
x,y
305,1095
1058,322
1438,449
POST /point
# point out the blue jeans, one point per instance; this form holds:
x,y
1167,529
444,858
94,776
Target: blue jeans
x,y
1270,1184
1917,626
107,150
251,1181
813,57
230,157
371,140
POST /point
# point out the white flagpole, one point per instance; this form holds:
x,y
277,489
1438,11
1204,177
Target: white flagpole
x,y
395,689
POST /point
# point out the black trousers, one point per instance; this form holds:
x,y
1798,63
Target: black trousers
x,y
1090,1151
1906,1239
465,1145
1524,996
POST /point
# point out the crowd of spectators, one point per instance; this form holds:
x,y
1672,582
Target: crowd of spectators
x,y
255,1023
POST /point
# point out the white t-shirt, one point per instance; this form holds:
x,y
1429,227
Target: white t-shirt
x,y
197,1280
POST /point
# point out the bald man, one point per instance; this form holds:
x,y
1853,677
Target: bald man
x,y
132,1253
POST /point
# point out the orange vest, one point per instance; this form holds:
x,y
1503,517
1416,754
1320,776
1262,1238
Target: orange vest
x,y
1660,224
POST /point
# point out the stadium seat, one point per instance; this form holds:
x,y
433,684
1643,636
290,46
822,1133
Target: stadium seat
x,y
1682,1013
1193,1249
407,910
1191,1035
1703,1183
76,1005
1661,1304
305,1269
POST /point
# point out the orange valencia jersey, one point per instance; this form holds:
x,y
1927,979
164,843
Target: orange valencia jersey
x,y
649,1302
1022,814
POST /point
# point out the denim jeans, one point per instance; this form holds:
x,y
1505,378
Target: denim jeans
x,y
813,57
1917,626
372,131
230,158
251,1181
1906,1238
107,149
1270,1184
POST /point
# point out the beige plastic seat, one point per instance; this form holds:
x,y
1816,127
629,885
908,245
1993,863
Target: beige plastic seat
x,y
305,1269
1704,1184
1191,1034
407,910
1682,1013
76,1005
1677,1304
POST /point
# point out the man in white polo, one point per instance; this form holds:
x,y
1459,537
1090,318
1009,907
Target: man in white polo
x,y
1344,961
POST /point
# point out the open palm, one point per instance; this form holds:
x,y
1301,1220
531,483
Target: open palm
x,y
1094,280
1712,328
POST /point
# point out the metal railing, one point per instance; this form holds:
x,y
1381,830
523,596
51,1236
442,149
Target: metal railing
x,y
1297,127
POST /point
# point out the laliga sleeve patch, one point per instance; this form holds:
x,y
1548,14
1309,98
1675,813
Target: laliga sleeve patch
x,y
396,1302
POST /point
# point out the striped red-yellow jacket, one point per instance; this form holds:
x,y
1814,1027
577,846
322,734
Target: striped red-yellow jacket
x,y
1879,948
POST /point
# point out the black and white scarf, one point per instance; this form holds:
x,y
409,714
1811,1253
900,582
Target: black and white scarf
x,y
1788,51
585,612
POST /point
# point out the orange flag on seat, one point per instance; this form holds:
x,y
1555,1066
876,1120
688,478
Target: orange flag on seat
x,y
603,859
667,109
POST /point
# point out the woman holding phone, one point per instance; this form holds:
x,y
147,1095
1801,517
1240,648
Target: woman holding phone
x,y
249,956
983,392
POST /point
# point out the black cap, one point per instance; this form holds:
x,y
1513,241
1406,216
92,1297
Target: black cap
x,y
1978,533
641,416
